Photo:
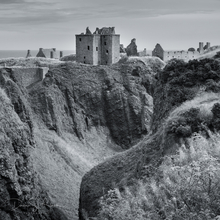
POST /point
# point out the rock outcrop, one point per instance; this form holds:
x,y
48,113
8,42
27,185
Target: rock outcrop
x,y
21,195
53,132
131,49
73,98
185,102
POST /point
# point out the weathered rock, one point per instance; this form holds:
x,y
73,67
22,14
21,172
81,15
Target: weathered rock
x,y
21,196
131,49
174,121
74,98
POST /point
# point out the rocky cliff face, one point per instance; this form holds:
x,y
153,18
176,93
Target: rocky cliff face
x,y
54,131
186,99
73,98
21,195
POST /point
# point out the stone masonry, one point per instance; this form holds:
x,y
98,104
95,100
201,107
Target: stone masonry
x,y
100,48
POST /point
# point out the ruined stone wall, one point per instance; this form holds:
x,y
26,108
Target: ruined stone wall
x,y
184,55
84,48
110,45
106,45
115,48
97,49
142,53
158,52
29,76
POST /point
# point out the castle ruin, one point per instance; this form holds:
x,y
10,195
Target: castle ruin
x,y
100,48
166,55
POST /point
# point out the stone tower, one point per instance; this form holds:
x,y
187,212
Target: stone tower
x,y
100,48
201,50
208,44
28,54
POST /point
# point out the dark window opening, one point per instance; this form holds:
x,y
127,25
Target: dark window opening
x,y
105,43
84,57
106,51
96,48
87,122
84,61
106,62
80,39
88,47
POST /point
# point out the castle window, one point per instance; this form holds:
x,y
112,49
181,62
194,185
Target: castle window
x,y
84,57
105,43
106,51
96,48
88,47
106,62
80,39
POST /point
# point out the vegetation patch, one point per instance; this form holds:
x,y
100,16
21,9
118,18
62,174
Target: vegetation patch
x,y
186,186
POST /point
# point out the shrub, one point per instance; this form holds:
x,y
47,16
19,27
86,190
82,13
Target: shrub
x,y
192,73
185,187
217,55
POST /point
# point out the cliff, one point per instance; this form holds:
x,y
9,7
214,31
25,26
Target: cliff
x,y
56,129
186,102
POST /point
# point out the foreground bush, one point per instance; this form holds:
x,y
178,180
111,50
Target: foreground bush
x,y
186,186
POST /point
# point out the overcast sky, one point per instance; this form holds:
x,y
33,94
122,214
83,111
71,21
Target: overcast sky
x,y
175,24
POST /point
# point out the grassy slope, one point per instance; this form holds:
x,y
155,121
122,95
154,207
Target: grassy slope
x,y
61,162
125,168
179,118
186,186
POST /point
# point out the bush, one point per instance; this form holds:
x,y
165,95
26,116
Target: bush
x,y
185,187
192,73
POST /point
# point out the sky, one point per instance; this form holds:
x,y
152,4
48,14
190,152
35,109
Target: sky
x,y
175,24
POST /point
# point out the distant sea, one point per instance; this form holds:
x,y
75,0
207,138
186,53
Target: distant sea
x,y
23,53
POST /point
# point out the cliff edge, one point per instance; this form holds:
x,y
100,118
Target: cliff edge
x,y
59,127
186,102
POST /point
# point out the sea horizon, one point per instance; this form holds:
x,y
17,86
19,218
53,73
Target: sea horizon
x,y
23,53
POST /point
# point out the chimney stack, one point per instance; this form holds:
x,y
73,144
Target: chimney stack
x,y
51,54
201,50
208,45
